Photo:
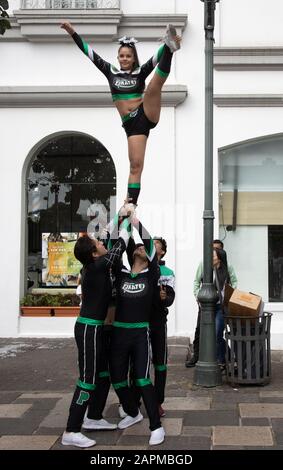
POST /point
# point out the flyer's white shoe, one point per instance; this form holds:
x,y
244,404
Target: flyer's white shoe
x,y
98,424
157,436
129,421
76,439
170,38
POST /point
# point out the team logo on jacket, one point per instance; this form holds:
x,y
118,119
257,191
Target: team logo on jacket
x,y
133,289
121,83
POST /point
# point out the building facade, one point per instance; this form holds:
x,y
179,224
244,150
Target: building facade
x,y
63,149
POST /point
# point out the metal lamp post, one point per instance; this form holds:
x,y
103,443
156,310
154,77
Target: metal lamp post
x,y
207,372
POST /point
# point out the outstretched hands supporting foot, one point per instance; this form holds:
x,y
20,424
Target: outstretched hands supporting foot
x,y
127,209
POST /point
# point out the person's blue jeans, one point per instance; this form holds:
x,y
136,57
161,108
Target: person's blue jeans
x,y
220,341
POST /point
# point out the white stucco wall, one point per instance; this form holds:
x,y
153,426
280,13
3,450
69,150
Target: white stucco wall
x,y
171,201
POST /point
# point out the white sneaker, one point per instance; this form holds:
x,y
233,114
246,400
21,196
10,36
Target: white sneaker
x,y
97,424
129,421
170,38
121,412
76,439
157,436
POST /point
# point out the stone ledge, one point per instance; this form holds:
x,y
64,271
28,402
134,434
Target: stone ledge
x,y
75,96
248,101
93,25
248,58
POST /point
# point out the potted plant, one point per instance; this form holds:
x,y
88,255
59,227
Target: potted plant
x,y
66,305
34,305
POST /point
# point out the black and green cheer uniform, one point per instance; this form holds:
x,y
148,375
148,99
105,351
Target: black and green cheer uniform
x,y
89,333
126,85
130,337
158,329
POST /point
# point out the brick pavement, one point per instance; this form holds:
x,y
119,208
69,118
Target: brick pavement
x,y
38,376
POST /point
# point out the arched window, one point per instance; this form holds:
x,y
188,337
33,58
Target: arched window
x,y
251,213
69,179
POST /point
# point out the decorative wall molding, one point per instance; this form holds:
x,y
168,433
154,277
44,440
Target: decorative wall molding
x,y
248,58
248,101
151,27
93,25
69,4
43,25
75,96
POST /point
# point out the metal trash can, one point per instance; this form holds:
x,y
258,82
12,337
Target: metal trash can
x,y
248,355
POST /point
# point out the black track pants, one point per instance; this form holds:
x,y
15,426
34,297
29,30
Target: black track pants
x,y
90,344
158,338
131,345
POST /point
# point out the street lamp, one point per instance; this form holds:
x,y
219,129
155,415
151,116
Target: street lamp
x,y
207,372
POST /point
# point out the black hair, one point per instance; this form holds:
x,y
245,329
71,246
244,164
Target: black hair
x,y
138,245
131,46
222,271
219,242
83,250
163,244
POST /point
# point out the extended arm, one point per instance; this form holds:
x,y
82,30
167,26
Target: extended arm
x,y
146,238
113,257
101,64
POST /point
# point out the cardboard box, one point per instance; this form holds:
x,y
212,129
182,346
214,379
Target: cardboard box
x,y
244,304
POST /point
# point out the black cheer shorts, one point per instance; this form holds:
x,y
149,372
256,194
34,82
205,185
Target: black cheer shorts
x,y
136,123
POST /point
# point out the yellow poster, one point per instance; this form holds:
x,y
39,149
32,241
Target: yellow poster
x,y
60,267
61,259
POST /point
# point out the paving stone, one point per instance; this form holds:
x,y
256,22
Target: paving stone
x,y
278,437
271,394
177,351
273,400
41,395
185,443
234,397
224,406
192,393
255,422
195,431
276,356
259,448
176,393
211,418
188,403
57,417
27,442
227,448
182,340
13,410
39,404
277,424
9,397
131,441
41,431
242,436
172,426
104,437
261,410
26,425
173,413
